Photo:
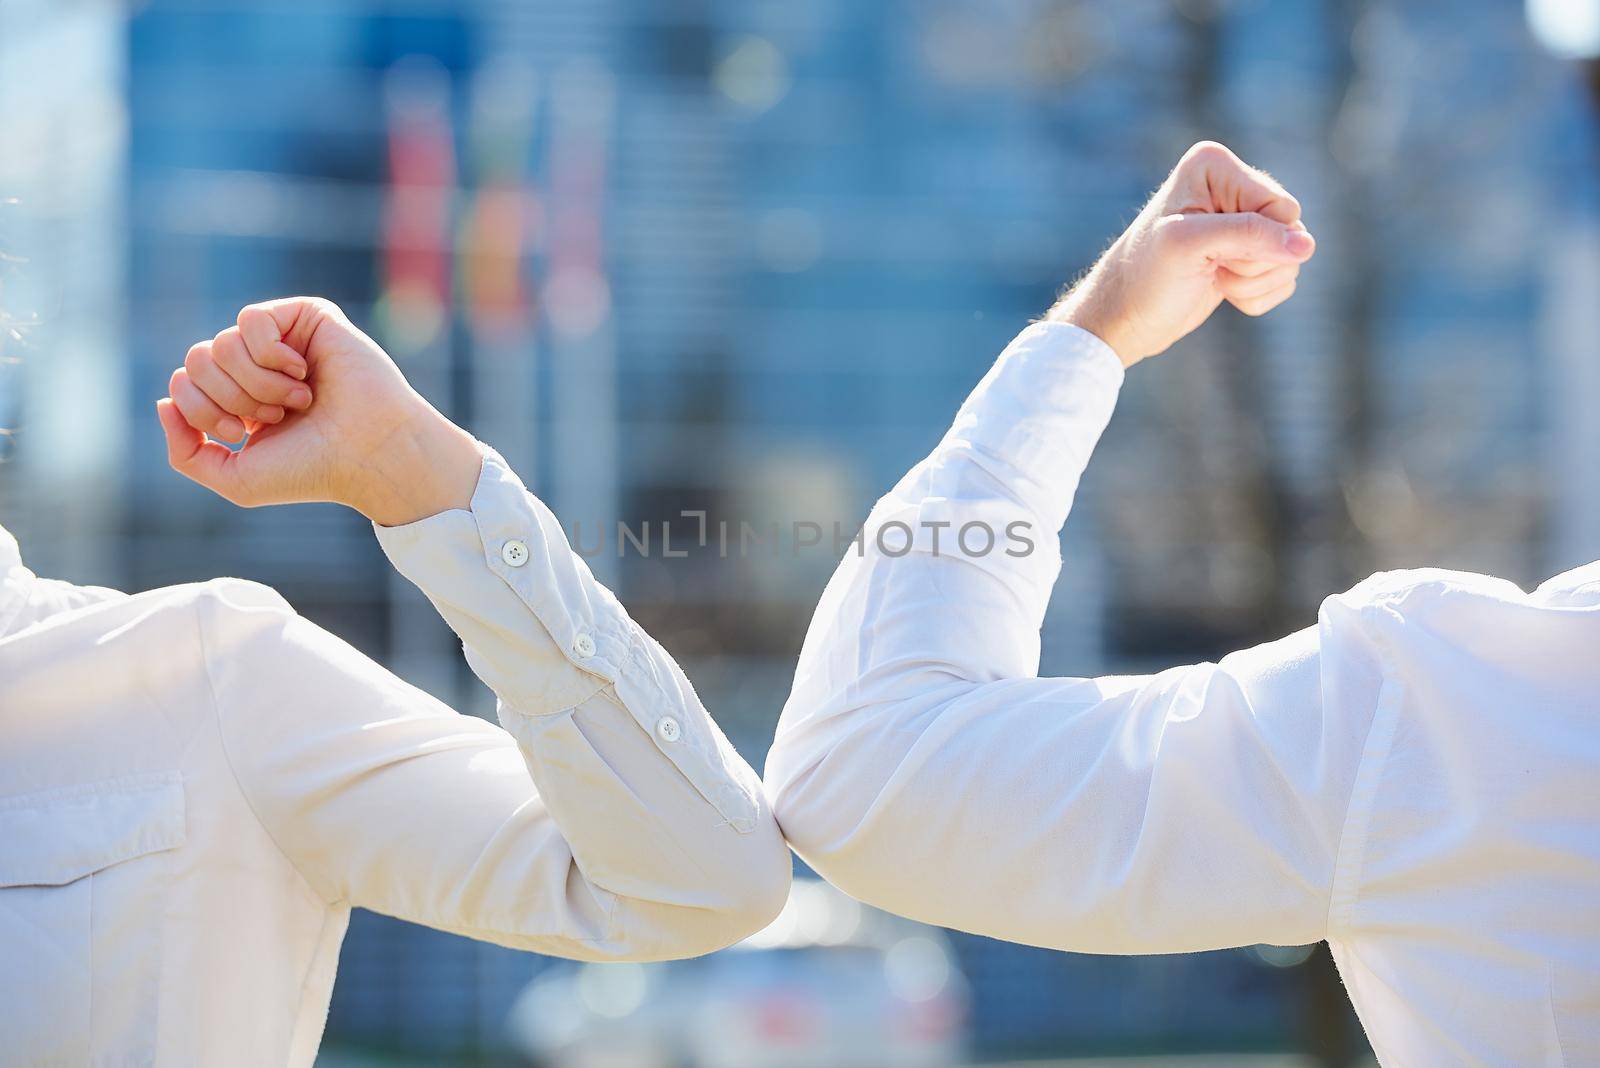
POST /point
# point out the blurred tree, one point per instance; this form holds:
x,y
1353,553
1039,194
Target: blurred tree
x,y
1330,1029
1256,506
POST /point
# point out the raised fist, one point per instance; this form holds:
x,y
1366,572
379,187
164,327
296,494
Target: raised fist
x,y
1216,230
329,417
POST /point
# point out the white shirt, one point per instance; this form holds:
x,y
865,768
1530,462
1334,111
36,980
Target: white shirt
x,y
1415,779
197,785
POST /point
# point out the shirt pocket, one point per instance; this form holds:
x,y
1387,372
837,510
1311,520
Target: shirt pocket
x,y
82,891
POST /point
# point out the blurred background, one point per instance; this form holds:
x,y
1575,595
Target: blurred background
x,y
745,258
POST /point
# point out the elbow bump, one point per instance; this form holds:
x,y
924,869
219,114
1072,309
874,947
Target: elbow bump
x,y
793,815
841,835
740,894
746,906
817,812
764,890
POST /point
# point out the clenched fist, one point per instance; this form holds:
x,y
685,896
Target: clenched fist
x,y
1216,230
329,417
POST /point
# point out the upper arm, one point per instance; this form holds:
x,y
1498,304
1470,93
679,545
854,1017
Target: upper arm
x,y
384,798
1193,809
379,795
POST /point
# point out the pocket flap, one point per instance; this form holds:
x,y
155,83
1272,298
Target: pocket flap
x,y
56,836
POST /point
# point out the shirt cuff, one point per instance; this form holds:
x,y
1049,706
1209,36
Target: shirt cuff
x,y
486,568
547,637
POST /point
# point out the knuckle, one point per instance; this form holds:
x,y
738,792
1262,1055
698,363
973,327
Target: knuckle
x,y
226,358
199,355
1207,152
326,307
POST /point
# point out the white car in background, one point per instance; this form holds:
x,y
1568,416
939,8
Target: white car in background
x,y
831,983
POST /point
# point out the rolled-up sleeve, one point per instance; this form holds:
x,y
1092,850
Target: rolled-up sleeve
x,y
629,827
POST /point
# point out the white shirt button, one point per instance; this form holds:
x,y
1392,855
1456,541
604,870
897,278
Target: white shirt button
x,y
668,730
583,646
514,552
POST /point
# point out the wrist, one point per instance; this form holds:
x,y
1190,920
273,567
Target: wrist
x,y
425,465
1081,308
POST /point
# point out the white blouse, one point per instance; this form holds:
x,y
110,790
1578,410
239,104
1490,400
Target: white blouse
x,y
1415,779
197,785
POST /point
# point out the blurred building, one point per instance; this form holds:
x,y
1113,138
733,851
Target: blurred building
x,y
63,176
742,261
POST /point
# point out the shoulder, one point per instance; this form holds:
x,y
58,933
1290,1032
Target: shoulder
x,y
165,608
224,598
254,641
236,595
222,595
1393,610
51,597
222,612
1413,587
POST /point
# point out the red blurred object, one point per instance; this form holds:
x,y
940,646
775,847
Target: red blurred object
x,y
936,1019
498,230
422,177
787,1019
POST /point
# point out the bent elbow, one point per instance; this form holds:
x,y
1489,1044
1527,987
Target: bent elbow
x,y
764,889
750,890
755,870
818,822
835,805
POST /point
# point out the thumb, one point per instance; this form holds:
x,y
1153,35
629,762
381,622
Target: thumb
x,y
192,454
1246,235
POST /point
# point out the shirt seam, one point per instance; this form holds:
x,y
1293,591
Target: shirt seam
x,y
233,771
17,591
306,973
1350,855
1551,995
1347,948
